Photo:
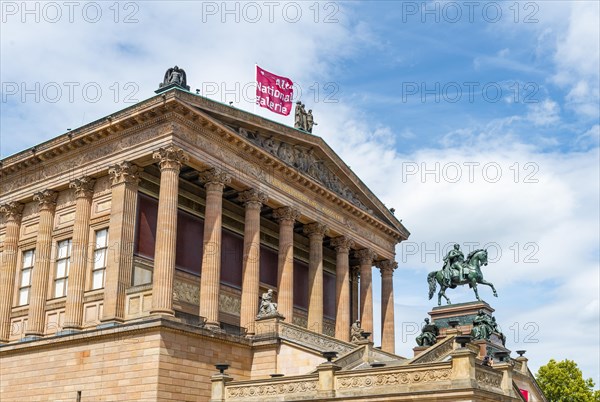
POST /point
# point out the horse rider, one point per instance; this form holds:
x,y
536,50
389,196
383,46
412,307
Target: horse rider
x,y
453,260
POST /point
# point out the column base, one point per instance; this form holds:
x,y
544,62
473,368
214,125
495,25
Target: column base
x,y
68,331
167,312
109,324
30,338
213,326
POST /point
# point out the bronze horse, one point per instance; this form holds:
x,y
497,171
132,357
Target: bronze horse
x,y
472,276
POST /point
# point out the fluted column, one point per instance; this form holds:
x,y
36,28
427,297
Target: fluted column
x,y
41,268
285,263
119,263
215,180
354,275
13,212
387,268
170,160
365,258
315,232
342,287
253,201
84,190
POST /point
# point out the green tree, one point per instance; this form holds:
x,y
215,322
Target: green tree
x,y
563,382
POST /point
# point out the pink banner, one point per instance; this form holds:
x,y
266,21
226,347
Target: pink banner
x,y
274,92
525,394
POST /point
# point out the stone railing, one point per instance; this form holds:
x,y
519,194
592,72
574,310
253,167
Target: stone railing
x,y
322,343
438,351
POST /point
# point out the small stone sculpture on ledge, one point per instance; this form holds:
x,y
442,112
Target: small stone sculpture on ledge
x,y
267,307
484,326
429,334
356,332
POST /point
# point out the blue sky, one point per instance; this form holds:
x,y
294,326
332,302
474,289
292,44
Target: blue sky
x,y
532,194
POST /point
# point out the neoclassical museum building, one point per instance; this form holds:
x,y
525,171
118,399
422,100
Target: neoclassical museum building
x,y
135,251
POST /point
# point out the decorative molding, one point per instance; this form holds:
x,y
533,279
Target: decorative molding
x,y
124,172
272,389
13,211
170,157
315,229
286,214
390,379
47,199
488,378
439,351
365,256
253,198
342,244
230,304
312,339
84,187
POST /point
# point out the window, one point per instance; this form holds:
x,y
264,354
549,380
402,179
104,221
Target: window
x,y
100,249
63,261
27,268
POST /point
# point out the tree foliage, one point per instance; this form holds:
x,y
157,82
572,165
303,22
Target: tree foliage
x,y
563,382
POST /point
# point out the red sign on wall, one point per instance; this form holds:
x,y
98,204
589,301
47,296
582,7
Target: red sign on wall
x,y
525,394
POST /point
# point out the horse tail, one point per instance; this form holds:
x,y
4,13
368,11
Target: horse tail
x,y
432,283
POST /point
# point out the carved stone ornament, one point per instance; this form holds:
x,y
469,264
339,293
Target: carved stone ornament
x,y
306,161
365,256
286,214
342,244
124,172
387,267
170,157
401,378
315,229
47,199
13,211
84,187
253,197
175,76
215,177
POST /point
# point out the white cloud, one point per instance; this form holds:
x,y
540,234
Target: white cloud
x,y
544,113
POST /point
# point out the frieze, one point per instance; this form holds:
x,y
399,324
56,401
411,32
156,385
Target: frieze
x,y
306,161
230,304
271,389
300,321
186,292
390,379
485,377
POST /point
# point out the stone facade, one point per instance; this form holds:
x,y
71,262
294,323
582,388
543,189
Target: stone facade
x,y
134,251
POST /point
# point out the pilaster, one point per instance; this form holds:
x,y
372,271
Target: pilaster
x,y
84,190
41,269
124,177
13,211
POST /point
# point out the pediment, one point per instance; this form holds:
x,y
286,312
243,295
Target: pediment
x,y
306,153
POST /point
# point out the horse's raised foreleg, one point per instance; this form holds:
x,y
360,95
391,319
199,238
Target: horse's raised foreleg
x,y
484,282
474,286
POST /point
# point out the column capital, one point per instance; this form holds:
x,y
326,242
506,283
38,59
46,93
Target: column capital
x,y
365,256
170,157
12,210
342,244
355,272
315,229
47,199
215,179
284,214
124,172
387,267
252,198
84,187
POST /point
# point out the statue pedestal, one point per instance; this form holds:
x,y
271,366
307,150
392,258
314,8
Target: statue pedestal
x,y
417,350
464,313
